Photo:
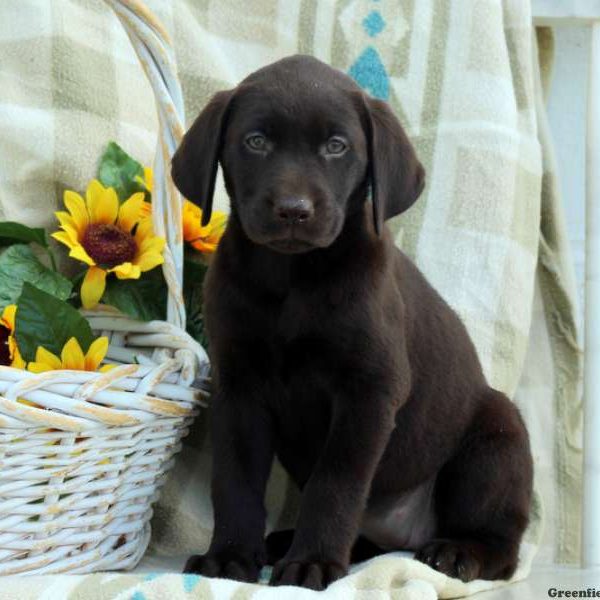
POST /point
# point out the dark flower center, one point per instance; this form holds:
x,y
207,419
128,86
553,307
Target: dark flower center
x,y
4,349
108,245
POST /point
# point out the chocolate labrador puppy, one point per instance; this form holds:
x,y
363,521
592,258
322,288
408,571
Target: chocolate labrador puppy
x,y
331,351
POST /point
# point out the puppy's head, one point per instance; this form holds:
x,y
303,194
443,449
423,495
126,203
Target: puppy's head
x,y
299,143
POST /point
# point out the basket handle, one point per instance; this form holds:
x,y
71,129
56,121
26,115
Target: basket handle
x,y
153,47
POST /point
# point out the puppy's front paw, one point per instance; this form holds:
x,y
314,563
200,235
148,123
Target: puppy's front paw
x,y
230,564
453,558
313,574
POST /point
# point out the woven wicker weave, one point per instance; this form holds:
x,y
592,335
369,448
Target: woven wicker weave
x,y
83,458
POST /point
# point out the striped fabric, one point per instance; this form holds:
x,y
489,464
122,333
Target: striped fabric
x,y
488,232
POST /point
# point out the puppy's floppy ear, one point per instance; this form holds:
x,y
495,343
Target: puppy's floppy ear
x,y
194,165
397,176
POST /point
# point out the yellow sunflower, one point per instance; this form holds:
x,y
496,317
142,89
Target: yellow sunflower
x,y
72,357
108,237
148,182
9,352
148,179
202,238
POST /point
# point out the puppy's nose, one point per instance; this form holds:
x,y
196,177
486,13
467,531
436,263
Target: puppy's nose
x,y
293,210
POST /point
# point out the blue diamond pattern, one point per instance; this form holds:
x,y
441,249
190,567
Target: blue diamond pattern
x,y
189,581
373,23
368,71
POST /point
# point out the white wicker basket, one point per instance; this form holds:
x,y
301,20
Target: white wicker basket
x,y
80,473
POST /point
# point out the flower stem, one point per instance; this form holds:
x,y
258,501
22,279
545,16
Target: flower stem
x,y
52,259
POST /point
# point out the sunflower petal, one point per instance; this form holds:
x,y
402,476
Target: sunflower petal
x,y
79,253
151,244
46,357
204,246
218,220
144,230
17,359
106,368
131,212
8,316
149,178
67,224
93,197
65,218
203,238
149,260
72,356
126,270
96,353
107,208
191,231
38,367
76,206
192,207
192,216
64,238
93,287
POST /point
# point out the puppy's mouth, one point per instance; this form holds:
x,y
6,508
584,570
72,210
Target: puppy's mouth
x,y
290,245
292,240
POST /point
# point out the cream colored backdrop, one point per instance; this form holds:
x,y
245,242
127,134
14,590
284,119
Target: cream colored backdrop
x,y
488,232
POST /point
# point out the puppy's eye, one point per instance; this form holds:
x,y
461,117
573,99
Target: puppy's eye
x,y
256,141
335,145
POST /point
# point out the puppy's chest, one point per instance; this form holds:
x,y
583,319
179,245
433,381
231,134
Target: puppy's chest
x,y
307,313
301,412
304,354
304,343
310,352
304,366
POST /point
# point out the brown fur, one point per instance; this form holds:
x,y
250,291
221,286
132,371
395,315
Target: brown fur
x,y
329,348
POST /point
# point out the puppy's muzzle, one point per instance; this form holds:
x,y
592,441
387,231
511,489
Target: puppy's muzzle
x,y
293,210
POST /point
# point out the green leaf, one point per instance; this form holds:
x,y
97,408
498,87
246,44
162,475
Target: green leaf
x,y
19,264
118,170
16,233
76,281
43,320
193,279
144,299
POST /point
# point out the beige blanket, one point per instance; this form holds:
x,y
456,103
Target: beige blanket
x,y
488,233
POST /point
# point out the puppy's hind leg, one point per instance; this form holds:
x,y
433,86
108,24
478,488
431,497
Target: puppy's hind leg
x,y
482,497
